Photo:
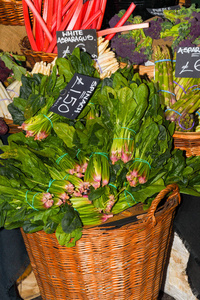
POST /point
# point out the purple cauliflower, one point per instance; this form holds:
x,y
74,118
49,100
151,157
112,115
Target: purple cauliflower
x,y
154,28
123,47
194,29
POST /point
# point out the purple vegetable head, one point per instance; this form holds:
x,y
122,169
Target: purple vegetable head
x,y
3,127
4,71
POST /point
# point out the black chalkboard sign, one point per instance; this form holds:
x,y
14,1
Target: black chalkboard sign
x,y
85,39
188,62
75,96
159,11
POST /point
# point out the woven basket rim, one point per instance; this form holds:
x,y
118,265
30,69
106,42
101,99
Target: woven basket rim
x,y
141,221
14,1
186,135
147,217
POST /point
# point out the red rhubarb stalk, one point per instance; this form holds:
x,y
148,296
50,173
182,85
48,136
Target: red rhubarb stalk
x,y
100,20
49,7
122,28
39,18
122,20
96,8
28,26
63,26
85,7
59,13
39,35
45,9
72,24
65,10
80,18
87,24
88,11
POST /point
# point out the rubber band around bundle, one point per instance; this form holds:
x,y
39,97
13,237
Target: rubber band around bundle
x,y
161,60
60,158
129,129
100,153
112,185
192,86
173,111
197,89
100,69
65,177
50,183
31,205
48,119
184,127
180,86
166,92
78,151
6,99
198,113
10,90
125,191
142,160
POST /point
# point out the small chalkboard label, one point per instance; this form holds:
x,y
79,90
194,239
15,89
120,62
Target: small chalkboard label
x,y
75,96
84,39
159,11
188,62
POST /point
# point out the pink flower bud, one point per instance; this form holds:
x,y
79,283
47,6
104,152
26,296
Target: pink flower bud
x,y
29,133
105,182
48,203
133,182
106,217
134,173
96,184
142,180
41,135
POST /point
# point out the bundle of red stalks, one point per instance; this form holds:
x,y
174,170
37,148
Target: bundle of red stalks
x,y
50,16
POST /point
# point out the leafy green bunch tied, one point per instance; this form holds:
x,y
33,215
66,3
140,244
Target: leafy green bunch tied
x,y
117,153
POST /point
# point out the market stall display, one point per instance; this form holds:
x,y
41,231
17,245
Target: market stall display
x,y
90,176
115,154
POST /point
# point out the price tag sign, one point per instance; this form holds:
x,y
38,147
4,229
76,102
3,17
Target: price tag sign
x,y
188,62
159,11
85,39
74,97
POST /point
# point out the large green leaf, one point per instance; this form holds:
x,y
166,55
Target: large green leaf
x,y
70,220
65,132
95,194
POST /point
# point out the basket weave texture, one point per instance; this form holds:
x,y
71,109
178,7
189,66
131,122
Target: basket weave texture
x,y
11,12
188,142
35,56
112,263
12,127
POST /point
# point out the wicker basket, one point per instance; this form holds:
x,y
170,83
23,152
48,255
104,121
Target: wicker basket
x,y
110,262
11,12
34,56
12,127
188,142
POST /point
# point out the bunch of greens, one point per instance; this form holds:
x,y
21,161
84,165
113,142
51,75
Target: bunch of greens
x,y
80,173
11,65
180,96
38,93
